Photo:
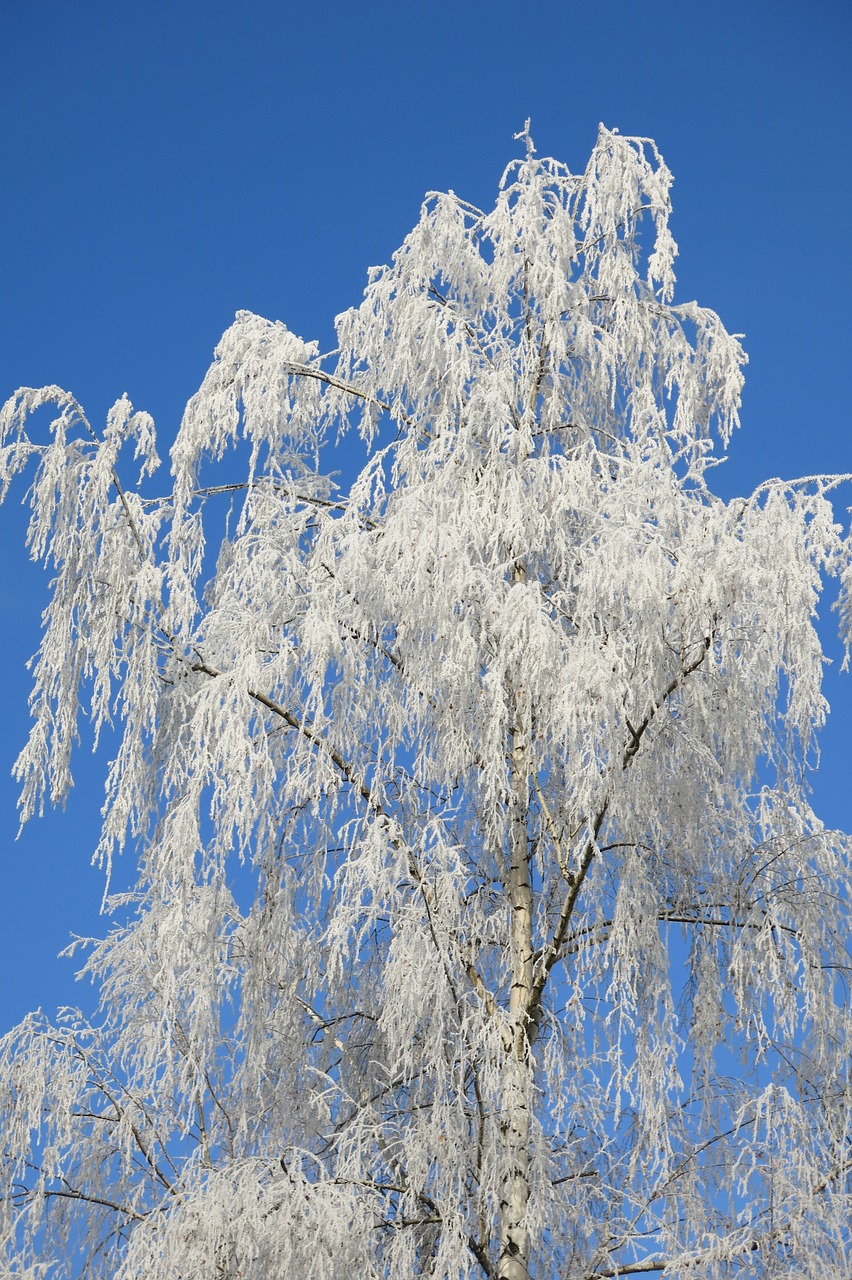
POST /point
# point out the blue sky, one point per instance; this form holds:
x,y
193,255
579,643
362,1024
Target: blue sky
x,y
170,162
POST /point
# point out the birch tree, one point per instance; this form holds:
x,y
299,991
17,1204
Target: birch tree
x,y
482,925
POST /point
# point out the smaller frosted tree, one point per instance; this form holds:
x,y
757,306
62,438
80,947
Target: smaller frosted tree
x,y
482,925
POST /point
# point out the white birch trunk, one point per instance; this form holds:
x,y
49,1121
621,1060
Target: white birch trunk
x,y
514,1235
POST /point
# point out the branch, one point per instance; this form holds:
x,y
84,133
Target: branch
x,y
308,371
118,485
120,1112
243,486
552,952
629,1269
305,727
636,735
99,1200
478,1250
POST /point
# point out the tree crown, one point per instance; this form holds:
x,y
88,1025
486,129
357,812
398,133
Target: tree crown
x,y
511,736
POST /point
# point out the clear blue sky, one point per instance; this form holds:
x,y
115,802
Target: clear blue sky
x,y
167,163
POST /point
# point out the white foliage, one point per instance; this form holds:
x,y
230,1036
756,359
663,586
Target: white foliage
x,y
482,924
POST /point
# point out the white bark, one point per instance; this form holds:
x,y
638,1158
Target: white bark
x,y
517,1081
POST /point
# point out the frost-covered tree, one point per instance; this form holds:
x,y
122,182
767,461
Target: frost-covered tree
x,y
482,926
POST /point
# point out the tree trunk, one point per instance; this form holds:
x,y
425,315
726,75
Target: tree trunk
x,y
515,1119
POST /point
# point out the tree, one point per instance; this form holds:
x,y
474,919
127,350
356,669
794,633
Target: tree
x,y
482,924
